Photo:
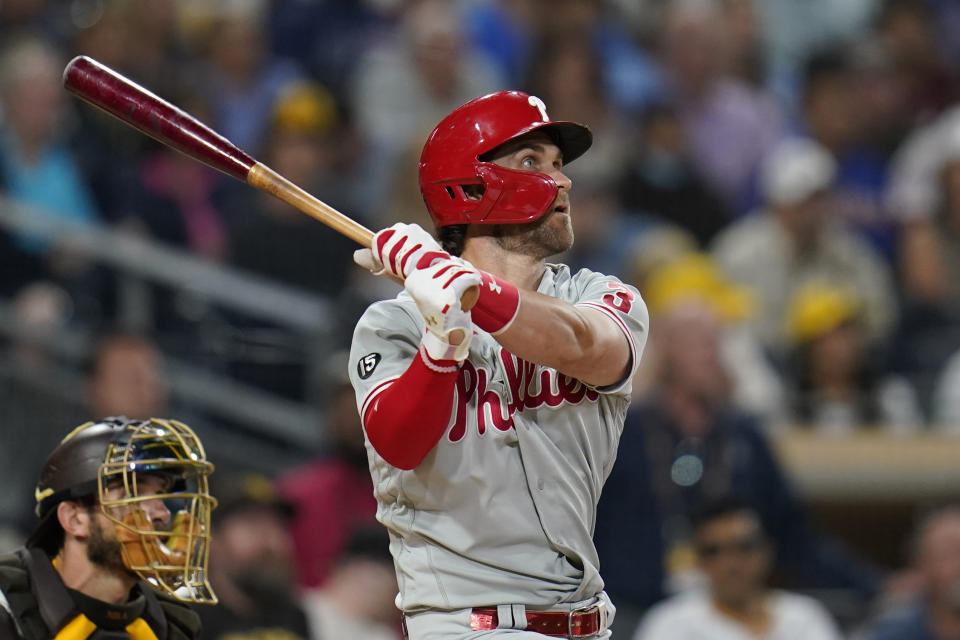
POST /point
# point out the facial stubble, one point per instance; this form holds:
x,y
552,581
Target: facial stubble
x,y
103,550
548,236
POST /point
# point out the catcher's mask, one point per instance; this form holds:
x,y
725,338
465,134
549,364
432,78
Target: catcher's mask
x,y
127,470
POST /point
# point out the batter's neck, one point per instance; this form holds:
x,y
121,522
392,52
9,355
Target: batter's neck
x,y
521,270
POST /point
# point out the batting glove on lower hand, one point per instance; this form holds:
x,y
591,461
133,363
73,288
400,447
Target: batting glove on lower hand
x,y
437,290
399,250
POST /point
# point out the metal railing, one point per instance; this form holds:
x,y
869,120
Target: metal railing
x,y
141,263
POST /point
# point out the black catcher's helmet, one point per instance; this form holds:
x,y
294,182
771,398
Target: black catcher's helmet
x,y
100,462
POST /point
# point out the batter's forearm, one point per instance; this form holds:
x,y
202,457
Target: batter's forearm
x,y
576,341
405,421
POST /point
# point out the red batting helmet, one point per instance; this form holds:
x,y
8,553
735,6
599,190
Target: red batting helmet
x,y
451,159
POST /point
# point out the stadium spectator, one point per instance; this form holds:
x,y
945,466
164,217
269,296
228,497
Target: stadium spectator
x,y
38,168
251,564
736,558
694,278
333,495
508,32
242,78
915,196
796,239
885,118
831,114
152,32
660,178
329,37
934,613
567,74
416,78
743,24
792,31
143,44
683,443
945,409
175,204
357,598
34,411
126,378
731,126
908,29
37,17
837,382
925,195
271,238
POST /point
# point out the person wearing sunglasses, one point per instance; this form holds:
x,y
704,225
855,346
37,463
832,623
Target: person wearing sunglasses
x,y
735,559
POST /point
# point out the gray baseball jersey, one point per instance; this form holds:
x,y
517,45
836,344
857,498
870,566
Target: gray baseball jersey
x,y
502,510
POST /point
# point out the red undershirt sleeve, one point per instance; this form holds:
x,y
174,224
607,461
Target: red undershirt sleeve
x,y
407,419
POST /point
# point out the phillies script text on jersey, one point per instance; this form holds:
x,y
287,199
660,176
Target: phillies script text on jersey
x,y
521,382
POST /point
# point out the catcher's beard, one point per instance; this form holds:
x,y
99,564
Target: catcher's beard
x,y
540,239
103,550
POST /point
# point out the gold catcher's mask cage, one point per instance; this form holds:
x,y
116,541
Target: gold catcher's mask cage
x,y
172,556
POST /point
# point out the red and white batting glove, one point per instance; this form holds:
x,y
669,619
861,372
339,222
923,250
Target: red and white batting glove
x,y
399,250
437,290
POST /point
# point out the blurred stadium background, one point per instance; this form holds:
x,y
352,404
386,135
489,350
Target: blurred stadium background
x,y
793,165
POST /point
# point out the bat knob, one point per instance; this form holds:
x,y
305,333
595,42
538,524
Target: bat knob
x,y
469,298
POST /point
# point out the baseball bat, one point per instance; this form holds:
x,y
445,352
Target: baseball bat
x,y
126,100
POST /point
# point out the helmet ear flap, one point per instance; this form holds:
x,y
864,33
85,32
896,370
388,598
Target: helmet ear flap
x,y
516,196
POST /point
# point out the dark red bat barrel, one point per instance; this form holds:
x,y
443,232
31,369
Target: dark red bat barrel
x,y
154,116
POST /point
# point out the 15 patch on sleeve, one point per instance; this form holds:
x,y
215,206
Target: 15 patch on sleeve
x,y
367,365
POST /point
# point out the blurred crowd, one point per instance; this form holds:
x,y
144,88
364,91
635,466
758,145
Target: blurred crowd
x,y
780,179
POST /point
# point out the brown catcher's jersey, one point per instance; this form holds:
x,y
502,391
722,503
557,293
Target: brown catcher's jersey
x,y
502,510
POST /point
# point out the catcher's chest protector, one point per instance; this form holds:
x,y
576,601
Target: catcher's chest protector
x,y
41,607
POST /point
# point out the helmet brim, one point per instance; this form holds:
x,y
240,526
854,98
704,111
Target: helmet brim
x,y
572,138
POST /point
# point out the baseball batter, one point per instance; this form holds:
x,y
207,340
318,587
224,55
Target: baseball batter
x,y
490,431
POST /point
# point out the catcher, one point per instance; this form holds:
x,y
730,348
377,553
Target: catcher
x,y
122,540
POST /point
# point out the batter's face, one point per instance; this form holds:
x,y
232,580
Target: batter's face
x,y
553,233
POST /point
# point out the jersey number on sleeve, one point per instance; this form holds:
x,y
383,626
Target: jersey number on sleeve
x,y
620,299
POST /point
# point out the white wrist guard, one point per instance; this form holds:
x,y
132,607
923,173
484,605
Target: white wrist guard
x,y
436,349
